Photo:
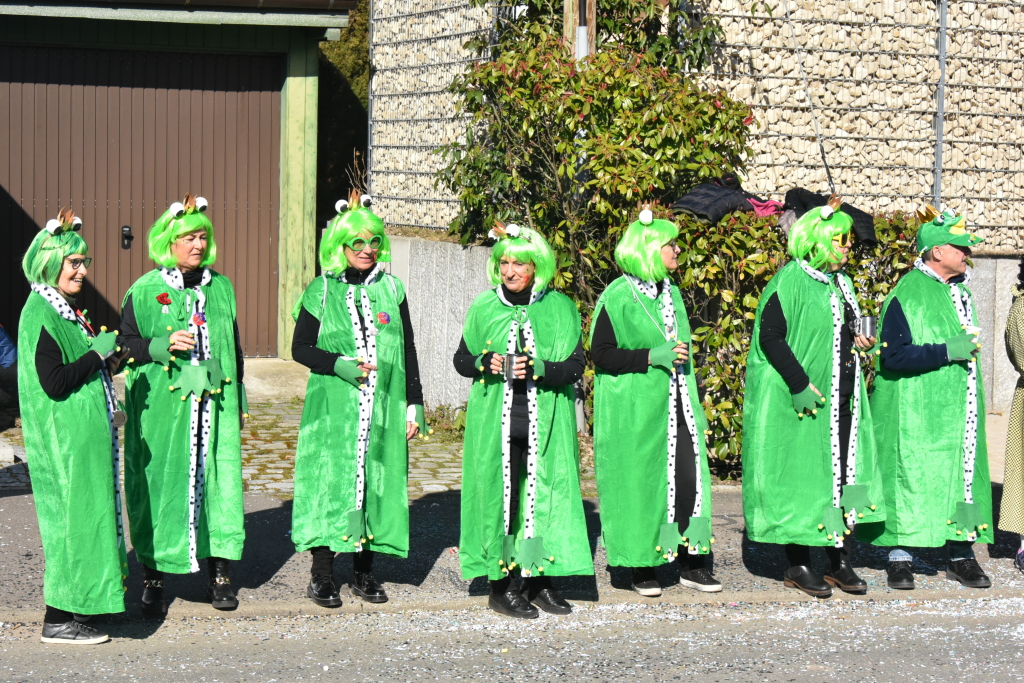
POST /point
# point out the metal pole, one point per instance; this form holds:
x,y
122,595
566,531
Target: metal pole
x,y
940,107
582,35
369,100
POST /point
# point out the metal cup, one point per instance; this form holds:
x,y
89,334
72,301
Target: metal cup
x,y
510,361
867,326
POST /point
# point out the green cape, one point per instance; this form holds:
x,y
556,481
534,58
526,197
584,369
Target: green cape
x,y
920,423
631,442
557,515
790,465
69,446
160,467
325,510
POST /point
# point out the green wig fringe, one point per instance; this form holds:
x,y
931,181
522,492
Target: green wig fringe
x,y
45,256
810,238
344,228
639,251
529,246
168,228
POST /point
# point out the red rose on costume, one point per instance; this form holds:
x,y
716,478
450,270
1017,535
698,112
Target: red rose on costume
x,y
164,298
383,318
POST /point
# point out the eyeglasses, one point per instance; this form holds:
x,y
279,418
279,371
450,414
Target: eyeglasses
x,y
77,263
358,244
843,240
189,240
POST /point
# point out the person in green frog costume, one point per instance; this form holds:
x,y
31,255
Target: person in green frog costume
x,y
186,405
929,408
363,403
522,511
810,471
650,455
70,416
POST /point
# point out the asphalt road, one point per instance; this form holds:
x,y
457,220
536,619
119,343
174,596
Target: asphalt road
x,y
436,626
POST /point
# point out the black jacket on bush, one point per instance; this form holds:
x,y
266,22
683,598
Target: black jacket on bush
x,y
710,202
801,201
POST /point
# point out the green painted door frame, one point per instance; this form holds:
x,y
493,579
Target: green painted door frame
x,y
299,100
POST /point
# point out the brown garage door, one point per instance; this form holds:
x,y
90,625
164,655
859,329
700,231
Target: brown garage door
x,y
119,135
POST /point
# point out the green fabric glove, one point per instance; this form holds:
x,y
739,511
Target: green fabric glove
x,y
104,343
807,401
159,350
962,346
349,371
664,356
243,400
538,367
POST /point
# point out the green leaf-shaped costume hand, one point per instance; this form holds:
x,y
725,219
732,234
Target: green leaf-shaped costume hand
x,y
194,379
832,522
160,350
508,551
355,530
962,347
855,497
698,534
349,371
668,540
531,555
967,518
104,343
807,401
665,356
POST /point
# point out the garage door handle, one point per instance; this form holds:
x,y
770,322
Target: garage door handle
x,y
126,237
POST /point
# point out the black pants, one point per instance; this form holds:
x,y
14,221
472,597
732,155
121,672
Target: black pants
x,y
800,555
686,474
323,561
517,453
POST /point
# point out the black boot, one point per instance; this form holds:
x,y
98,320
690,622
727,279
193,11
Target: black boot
x,y
153,602
968,572
220,592
805,578
322,591
538,590
363,584
505,599
840,572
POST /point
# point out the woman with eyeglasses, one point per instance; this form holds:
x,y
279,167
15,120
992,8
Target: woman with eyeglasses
x,y
810,471
650,456
70,417
363,403
522,511
186,406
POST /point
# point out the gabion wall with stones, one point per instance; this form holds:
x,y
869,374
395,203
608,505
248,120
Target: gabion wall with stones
x,y
873,73
415,52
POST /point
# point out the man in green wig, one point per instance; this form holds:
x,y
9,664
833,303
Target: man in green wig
x,y
70,418
363,402
650,454
522,511
186,404
810,473
929,408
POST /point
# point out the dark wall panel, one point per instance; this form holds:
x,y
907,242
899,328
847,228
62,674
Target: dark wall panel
x,y
119,135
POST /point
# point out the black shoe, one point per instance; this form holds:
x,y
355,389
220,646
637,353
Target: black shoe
x,y
900,576
804,578
73,633
969,573
511,604
645,582
220,592
699,579
366,587
153,602
547,598
321,590
846,579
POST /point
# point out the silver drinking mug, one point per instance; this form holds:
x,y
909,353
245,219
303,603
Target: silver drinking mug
x,y
868,326
510,361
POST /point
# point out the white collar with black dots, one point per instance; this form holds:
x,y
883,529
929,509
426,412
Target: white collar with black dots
x,y
814,272
535,296
174,278
59,303
648,289
375,274
927,270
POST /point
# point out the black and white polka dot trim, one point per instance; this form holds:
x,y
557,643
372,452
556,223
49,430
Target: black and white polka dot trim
x,y
533,438
964,306
535,296
846,289
200,418
175,280
506,428
366,349
54,298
